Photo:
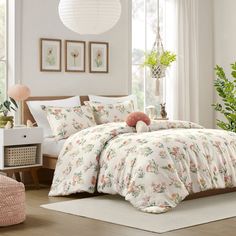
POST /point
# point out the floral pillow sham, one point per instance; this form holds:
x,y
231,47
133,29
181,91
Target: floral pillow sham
x,y
65,121
107,113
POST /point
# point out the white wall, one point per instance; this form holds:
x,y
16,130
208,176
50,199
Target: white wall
x,y
206,63
225,35
40,20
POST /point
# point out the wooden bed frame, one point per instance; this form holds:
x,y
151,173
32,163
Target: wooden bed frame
x,y
49,162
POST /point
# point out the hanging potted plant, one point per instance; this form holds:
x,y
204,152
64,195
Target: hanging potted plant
x,y
6,107
158,62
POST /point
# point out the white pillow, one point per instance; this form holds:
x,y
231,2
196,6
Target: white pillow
x,y
40,116
112,100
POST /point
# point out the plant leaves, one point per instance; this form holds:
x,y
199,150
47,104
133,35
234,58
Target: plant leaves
x,y
14,102
226,89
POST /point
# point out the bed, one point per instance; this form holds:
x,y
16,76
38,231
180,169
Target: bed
x,y
116,134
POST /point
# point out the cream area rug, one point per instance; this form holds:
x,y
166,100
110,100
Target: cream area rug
x,y
115,209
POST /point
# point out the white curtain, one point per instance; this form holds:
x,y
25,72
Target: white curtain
x,y
181,36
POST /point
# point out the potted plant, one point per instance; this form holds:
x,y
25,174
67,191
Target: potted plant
x,y
6,107
158,62
226,89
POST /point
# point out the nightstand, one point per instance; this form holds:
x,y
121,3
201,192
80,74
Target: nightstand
x,y
160,118
21,151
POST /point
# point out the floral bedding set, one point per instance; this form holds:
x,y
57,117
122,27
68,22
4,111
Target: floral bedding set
x,y
154,171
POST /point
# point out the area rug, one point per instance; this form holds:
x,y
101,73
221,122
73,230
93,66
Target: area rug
x,y
115,209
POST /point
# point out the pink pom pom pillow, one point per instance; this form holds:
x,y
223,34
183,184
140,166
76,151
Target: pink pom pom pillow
x,y
134,117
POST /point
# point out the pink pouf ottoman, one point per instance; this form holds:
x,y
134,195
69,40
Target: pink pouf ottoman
x,y
12,202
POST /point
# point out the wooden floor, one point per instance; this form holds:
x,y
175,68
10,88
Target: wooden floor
x,y
42,222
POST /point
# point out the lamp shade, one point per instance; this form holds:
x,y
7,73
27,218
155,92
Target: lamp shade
x,y
19,92
89,16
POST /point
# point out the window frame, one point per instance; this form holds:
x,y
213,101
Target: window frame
x,y
5,60
146,71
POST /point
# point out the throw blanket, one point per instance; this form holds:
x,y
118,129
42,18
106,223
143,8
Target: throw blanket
x,y
154,171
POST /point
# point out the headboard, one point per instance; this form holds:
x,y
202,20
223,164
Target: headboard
x,y
26,114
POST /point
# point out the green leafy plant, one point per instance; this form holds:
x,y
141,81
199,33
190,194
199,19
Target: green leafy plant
x,y
154,58
8,106
226,89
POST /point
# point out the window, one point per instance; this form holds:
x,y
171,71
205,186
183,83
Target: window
x,y
3,49
144,30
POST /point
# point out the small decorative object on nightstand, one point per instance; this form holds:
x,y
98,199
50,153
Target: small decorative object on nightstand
x,y
160,118
30,124
151,112
20,151
163,111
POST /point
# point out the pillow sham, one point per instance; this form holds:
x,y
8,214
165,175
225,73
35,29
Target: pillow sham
x,y
40,116
107,113
112,100
65,121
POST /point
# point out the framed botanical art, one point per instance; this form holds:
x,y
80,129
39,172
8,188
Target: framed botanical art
x,y
98,57
50,54
74,56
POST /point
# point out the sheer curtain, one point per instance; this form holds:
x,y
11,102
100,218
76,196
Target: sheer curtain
x,y
181,36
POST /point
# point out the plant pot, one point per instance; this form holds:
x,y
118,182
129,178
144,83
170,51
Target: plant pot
x,y
5,119
158,71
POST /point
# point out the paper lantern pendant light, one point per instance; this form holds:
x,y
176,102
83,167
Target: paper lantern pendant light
x,y
89,16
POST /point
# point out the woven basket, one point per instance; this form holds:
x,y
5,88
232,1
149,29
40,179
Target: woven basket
x,y
158,71
20,156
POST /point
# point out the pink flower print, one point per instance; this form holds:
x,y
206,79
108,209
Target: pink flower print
x,y
176,197
193,167
76,178
228,181
175,151
57,111
192,147
146,200
94,180
159,188
131,187
149,168
102,179
99,108
189,187
114,133
98,58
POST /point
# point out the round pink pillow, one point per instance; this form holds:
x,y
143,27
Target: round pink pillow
x,y
134,117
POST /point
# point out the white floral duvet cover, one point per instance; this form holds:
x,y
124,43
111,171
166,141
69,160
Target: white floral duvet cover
x,y
154,171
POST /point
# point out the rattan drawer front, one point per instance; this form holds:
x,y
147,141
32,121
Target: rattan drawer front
x,y
22,136
20,156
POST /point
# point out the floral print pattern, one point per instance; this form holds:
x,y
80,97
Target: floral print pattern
x,y
67,121
155,171
107,113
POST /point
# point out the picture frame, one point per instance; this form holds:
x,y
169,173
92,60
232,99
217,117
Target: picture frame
x,y
75,56
50,55
98,57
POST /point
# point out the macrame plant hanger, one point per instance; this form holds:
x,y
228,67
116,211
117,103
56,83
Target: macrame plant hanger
x,y
158,71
